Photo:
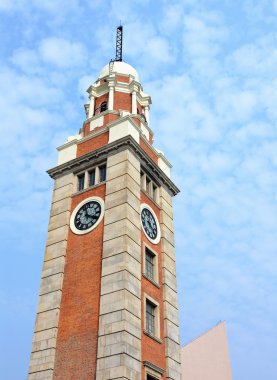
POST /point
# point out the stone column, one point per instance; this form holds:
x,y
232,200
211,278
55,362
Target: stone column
x,y
46,325
111,98
146,113
119,342
171,321
91,106
134,103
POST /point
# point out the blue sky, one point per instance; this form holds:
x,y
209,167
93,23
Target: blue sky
x,y
210,67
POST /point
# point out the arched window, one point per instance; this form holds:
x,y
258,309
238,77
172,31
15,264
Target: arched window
x,y
103,107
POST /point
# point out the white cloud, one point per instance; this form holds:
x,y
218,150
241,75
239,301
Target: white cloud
x,y
158,49
122,11
62,53
84,83
7,5
27,60
214,114
172,17
258,58
49,5
203,32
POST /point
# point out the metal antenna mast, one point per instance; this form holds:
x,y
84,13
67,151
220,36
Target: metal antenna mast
x,y
118,48
119,39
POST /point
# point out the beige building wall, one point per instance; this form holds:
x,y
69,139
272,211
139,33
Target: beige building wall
x,y
207,357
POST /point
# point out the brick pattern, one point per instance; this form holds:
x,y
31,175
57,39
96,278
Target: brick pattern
x,y
86,129
101,99
170,301
110,117
152,350
139,108
48,311
119,342
123,78
148,150
92,144
122,101
76,347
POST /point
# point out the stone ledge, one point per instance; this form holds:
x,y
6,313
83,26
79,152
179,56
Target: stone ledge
x,y
122,182
57,235
121,197
167,234
55,250
124,211
169,264
117,343
120,300
124,167
169,279
120,228
83,162
62,193
171,313
125,155
42,375
59,220
63,181
60,206
53,266
122,244
119,281
51,284
118,263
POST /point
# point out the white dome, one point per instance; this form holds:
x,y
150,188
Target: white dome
x,y
120,68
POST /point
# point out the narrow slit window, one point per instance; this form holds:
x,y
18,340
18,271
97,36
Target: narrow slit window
x,y
103,107
149,263
102,173
154,192
149,377
81,182
150,317
142,180
148,181
91,177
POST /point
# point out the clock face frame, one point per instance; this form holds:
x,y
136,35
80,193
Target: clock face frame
x,y
150,224
87,215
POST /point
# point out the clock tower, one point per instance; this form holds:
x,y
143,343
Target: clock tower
x,y
107,304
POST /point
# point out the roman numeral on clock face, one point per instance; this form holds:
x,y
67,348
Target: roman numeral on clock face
x,y
149,223
87,215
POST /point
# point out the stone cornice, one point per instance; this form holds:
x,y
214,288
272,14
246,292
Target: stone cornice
x,y
84,162
153,366
88,120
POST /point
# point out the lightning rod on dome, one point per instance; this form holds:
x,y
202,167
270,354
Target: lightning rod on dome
x,y
119,40
118,47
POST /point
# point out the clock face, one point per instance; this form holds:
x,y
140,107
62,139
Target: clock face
x,y
87,215
150,224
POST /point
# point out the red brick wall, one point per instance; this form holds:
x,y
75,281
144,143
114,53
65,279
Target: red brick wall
x,y
109,118
136,120
92,144
139,107
152,350
122,78
101,99
148,150
76,350
86,129
122,101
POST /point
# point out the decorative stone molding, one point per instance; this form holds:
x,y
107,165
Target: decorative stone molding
x,y
83,162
